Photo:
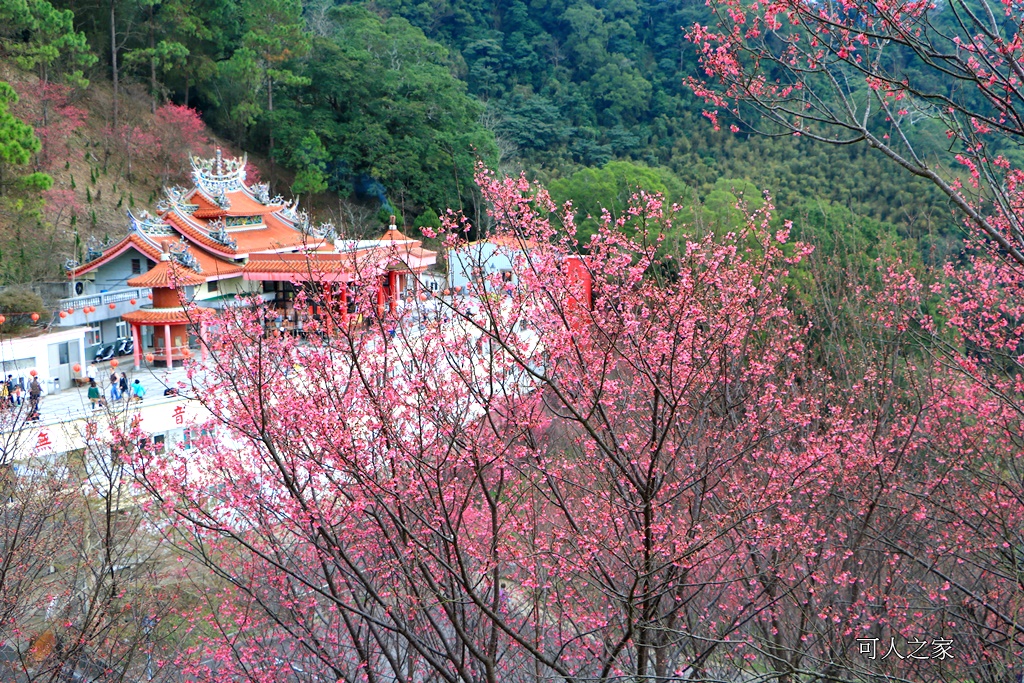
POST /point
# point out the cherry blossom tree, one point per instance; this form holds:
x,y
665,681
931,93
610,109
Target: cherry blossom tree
x,y
511,482
180,132
933,86
82,587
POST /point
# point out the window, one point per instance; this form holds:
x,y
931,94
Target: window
x,y
212,285
150,264
192,435
122,329
136,266
93,335
158,443
63,353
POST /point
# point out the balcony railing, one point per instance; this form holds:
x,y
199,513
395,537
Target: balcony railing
x,y
121,298
105,298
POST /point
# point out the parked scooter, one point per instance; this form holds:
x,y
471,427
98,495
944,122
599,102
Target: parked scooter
x,y
125,347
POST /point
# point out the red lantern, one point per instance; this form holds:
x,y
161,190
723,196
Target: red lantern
x,y
187,353
3,319
423,297
63,315
131,301
149,296
113,306
33,373
458,289
71,311
447,292
35,317
149,357
76,367
114,363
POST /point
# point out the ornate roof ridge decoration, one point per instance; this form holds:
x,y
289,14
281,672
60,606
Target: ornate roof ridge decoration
x,y
325,230
219,175
181,255
174,199
95,248
219,233
260,192
71,264
146,224
289,209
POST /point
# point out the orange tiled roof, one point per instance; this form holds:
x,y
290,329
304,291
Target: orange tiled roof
x,y
167,274
276,235
244,205
301,263
197,236
157,316
395,235
131,240
208,213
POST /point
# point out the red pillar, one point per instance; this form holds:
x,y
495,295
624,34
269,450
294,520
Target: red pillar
x,y
167,347
392,290
344,303
137,341
380,300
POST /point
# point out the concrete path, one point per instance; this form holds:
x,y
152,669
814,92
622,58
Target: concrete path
x,y
74,403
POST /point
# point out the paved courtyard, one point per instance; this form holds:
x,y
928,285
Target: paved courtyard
x,y
73,403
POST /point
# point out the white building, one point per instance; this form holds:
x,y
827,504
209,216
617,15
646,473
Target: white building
x,y
51,355
476,261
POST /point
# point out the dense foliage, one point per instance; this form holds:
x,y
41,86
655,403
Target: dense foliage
x,y
393,100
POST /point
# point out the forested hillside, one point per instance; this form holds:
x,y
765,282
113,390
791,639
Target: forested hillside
x,y
370,108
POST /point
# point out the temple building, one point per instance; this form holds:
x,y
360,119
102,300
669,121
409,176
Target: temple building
x,y
212,242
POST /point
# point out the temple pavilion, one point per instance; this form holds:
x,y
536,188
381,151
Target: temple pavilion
x,y
217,240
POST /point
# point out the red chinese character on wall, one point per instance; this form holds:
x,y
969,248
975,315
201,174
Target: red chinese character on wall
x,y
43,440
179,415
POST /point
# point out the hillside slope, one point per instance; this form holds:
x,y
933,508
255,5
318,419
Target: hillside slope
x,y
99,172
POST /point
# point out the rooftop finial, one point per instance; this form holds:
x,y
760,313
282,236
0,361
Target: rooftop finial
x,y
220,163
393,225
165,255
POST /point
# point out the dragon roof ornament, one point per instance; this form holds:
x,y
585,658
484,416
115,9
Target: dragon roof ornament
x,y
219,233
174,198
325,230
261,191
219,175
95,248
289,210
147,224
181,255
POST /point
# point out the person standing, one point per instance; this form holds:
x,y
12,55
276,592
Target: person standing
x,y
9,386
35,392
90,372
138,391
94,394
123,385
115,387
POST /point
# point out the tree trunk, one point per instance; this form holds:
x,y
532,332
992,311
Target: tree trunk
x,y
113,57
270,110
152,60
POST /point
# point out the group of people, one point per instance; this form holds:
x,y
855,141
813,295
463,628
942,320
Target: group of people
x,y
12,395
120,389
